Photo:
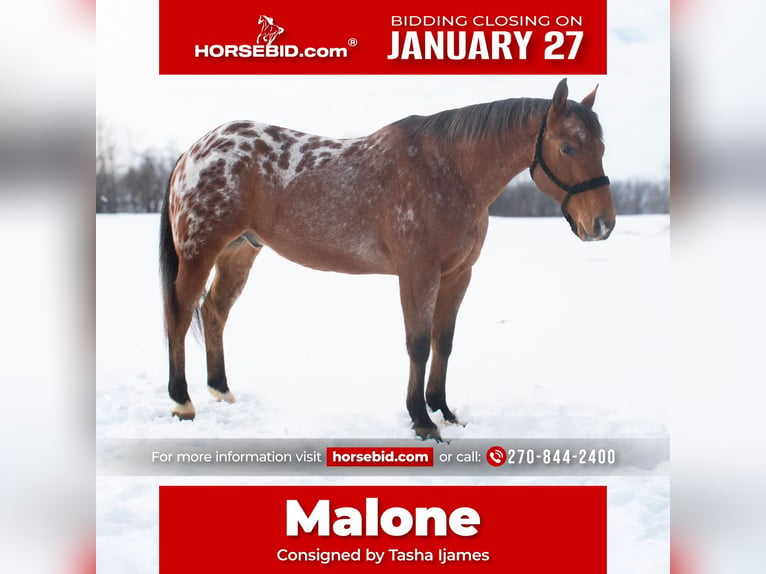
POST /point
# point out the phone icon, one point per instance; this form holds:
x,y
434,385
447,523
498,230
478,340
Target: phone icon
x,y
496,456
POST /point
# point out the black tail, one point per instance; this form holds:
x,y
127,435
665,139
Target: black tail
x,y
168,258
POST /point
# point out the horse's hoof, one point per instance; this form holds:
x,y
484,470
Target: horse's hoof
x,y
227,397
447,414
184,412
428,432
452,420
449,418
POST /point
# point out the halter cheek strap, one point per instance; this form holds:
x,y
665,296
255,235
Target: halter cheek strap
x,y
569,189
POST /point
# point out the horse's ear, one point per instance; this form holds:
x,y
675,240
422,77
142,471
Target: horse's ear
x,y
589,100
559,102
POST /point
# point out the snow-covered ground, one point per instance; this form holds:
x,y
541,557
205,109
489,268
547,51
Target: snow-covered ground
x,y
556,338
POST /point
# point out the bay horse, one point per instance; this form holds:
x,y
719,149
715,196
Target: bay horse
x,y
410,200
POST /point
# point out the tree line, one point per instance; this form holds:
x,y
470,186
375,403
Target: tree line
x,y
521,198
140,188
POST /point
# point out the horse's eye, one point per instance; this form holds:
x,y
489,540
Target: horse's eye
x,y
567,149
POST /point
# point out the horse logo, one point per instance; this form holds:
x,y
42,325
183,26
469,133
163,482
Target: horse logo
x,y
269,30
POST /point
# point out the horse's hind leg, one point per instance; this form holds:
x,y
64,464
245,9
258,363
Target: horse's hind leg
x,y
451,292
232,270
189,284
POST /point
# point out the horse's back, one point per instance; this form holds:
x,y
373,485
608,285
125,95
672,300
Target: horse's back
x,y
355,205
299,193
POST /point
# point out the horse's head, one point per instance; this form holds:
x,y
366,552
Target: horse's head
x,y
567,165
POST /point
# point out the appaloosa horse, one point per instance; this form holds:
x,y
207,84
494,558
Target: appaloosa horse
x,y
410,200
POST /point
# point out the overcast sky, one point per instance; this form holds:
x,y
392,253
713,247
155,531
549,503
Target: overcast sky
x,y
143,110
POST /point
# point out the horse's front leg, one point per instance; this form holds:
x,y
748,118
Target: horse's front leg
x,y
418,290
451,292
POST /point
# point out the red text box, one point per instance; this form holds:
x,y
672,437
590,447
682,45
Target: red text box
x,y
545,529
397,37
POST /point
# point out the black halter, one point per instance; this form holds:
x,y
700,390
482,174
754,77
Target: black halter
x,y
570,189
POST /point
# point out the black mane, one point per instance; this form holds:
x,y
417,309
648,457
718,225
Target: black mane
x,y
479,121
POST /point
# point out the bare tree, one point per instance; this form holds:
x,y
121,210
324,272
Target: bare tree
x,y
106,176
142,187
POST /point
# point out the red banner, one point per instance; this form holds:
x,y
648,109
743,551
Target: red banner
x,y
396,37
378,529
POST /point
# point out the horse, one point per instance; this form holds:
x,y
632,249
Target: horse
x,y
269,30
410,199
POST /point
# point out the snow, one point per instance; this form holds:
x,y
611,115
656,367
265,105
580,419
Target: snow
x,y
556,338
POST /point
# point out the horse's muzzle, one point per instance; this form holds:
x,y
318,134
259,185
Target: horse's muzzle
x,y
601,229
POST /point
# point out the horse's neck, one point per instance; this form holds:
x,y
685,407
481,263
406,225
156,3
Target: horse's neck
x,y
486,166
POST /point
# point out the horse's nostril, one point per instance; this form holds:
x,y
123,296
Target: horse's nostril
x,y
599,225
602,226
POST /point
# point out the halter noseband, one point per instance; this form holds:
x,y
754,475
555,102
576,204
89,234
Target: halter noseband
x,y
570,189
